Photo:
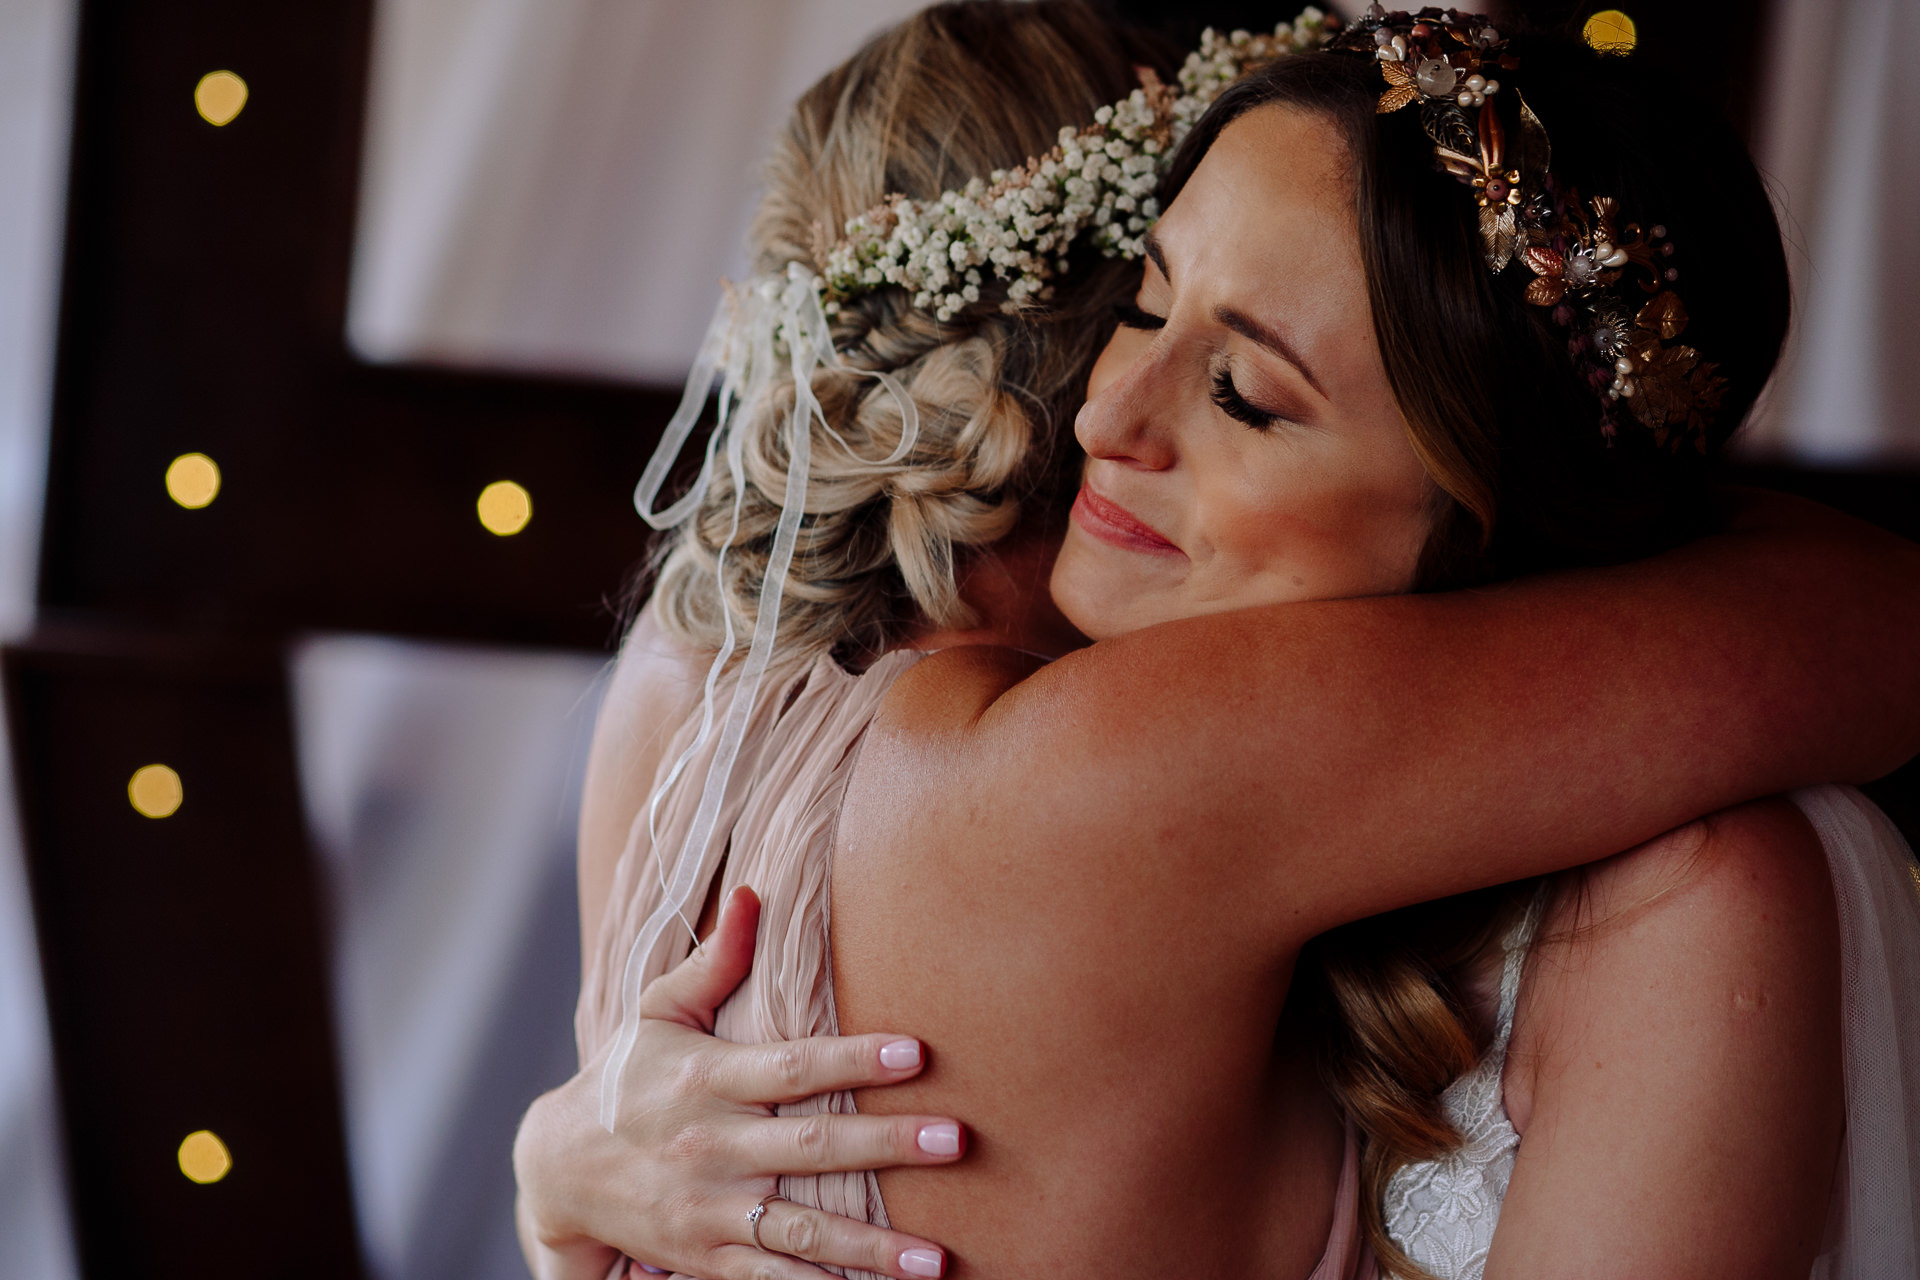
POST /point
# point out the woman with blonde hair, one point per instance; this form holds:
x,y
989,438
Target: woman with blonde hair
x,y
1103,870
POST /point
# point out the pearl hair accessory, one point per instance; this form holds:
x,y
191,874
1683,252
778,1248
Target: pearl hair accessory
x,y
1440,60
1016,225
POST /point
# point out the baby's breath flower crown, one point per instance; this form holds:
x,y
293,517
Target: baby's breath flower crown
x,y
1017,225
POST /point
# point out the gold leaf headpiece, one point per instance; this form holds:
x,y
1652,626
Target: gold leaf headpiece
x,y
1443,62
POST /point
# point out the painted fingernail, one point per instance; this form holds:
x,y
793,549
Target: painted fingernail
x,y
900,1055
922,1262
939,1140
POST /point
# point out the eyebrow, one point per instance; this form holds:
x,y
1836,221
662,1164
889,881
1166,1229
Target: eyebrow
x,y
1241,323
1247,327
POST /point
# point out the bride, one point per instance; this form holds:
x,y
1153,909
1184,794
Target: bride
x,y
1011,844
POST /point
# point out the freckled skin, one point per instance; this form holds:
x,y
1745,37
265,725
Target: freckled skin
x,y
1675,1071
1139,1105
1331,501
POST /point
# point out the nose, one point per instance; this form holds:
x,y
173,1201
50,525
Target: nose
x,y
1121,422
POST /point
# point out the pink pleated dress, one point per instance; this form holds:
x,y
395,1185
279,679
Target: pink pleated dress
x,y
776,833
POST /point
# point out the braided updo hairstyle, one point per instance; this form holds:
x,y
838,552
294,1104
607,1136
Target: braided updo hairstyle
x,y
952,93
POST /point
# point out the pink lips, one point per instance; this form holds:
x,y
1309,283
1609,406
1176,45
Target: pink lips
x,y
1115,525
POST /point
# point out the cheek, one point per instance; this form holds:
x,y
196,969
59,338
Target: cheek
x,y
1328,537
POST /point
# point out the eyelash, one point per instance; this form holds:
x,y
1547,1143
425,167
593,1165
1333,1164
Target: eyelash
x,y
1235,406
1225,394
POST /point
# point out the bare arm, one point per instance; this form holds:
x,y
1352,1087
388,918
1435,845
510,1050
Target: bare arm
x,y
1388,751
1083,885
1676,1064
1389,714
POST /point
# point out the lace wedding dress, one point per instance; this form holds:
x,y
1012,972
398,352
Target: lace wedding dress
x,y
1443,1212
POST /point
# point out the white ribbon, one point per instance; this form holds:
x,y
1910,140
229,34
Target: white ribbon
x,y
739,348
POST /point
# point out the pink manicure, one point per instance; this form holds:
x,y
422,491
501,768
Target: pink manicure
x,y
938,1140
922,1262
900,1055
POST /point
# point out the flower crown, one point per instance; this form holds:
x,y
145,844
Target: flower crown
x,y
1581,258
1017,224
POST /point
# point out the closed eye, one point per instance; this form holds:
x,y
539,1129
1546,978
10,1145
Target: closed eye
x,y
1131,316
1235,405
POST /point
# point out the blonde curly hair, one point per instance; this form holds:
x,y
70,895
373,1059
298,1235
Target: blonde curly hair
x,y
954,92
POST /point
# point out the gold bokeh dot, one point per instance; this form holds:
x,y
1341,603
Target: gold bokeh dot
x,y
155,791
204,1158
220,96
1611,31
505,508
193,480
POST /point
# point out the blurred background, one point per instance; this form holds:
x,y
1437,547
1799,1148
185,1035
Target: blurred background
x,y
333,335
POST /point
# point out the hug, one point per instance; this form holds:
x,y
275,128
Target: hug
x,y
1206,711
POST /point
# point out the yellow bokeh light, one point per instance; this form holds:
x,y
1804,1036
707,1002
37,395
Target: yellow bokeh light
x,y
1611,31
193,480
220,95
505,507
155,791
204,1158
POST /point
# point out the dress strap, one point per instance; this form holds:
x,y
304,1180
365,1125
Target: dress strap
x,y
1514,946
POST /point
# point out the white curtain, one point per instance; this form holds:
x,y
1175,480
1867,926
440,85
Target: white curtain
x,y
36,54
1839,136
561,184
441,784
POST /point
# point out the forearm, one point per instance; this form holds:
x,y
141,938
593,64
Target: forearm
x,y
1562,719
1396,750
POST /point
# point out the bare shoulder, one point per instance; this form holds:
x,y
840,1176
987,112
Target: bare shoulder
x,y
951,689
1730,915
1675,1068
917,761
1746,874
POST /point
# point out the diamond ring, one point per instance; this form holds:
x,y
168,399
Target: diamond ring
x,y
758,1212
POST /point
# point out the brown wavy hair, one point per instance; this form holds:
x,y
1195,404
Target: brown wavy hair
x,y
1509,431
952,93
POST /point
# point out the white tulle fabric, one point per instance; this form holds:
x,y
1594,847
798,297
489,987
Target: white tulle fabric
x,y
1443,1213
1874,1230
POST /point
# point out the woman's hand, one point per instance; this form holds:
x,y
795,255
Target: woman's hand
x,y
699,1146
